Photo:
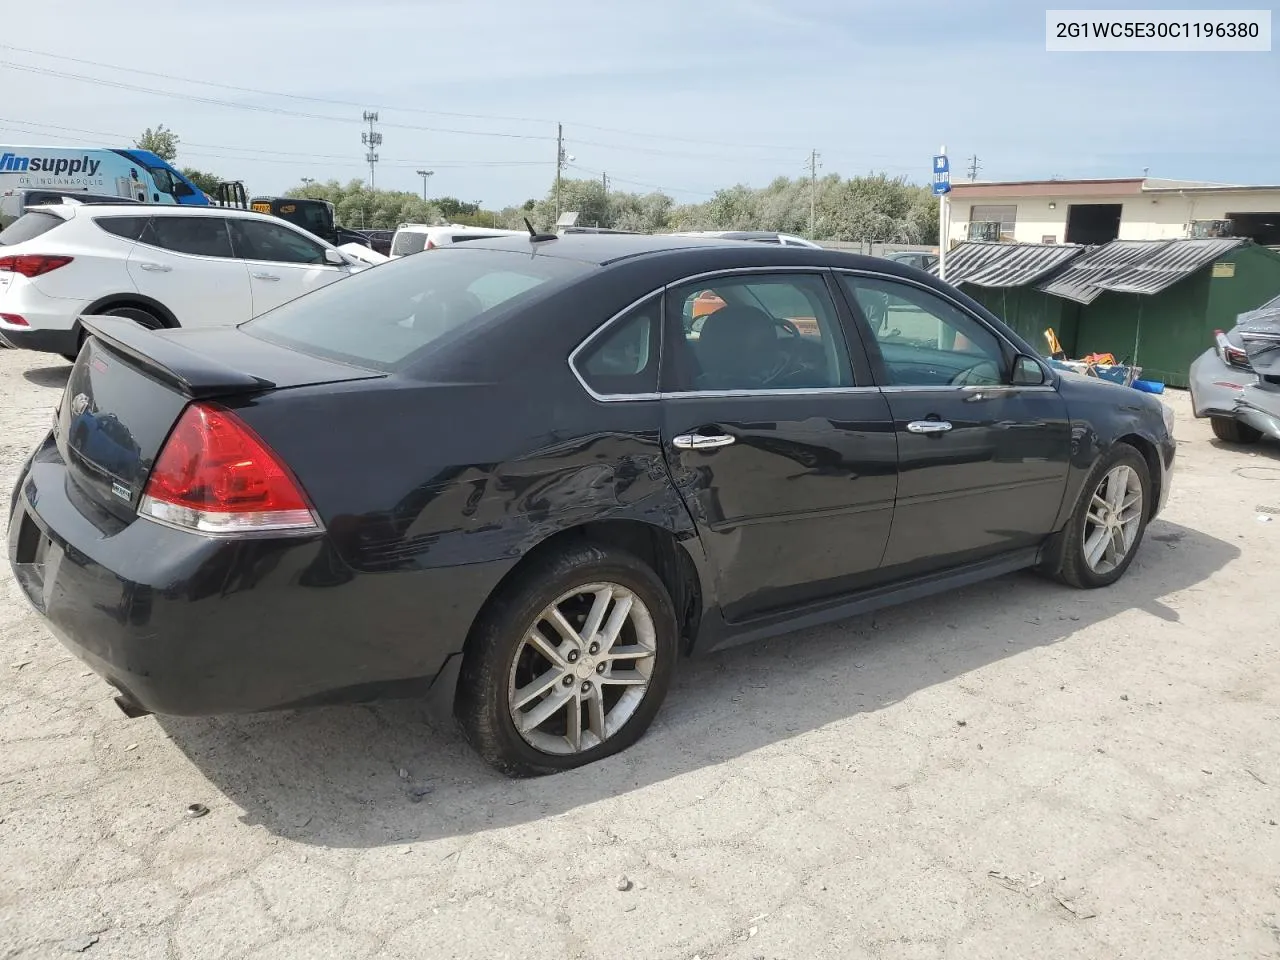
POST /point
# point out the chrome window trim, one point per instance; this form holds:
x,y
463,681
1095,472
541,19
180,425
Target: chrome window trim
x,y
710,394
600,331
809,391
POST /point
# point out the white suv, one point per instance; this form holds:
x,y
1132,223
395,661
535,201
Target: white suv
x,y
161,266
416,237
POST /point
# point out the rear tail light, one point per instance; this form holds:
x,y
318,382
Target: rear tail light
x,y
1229,354
14,320
32,264
430,245
215,475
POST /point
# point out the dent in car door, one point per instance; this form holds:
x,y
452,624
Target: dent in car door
x,y
282,263
982,463
787,466
185,263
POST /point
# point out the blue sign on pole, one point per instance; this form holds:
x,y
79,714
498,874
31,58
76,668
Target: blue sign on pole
x,y
941,175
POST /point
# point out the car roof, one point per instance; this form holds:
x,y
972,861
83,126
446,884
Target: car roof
x,y
602,249
452,228
160,209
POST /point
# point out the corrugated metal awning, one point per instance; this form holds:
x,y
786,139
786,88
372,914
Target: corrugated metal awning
x,y
1083,281
1136,266
1166,266
985,263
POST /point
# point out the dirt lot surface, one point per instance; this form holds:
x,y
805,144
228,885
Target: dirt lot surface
x,y
1015,770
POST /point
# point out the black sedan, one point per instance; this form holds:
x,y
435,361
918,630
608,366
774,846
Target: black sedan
x,y
513,476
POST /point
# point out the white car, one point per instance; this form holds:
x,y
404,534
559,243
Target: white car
x,y
416,237
162,266
756,236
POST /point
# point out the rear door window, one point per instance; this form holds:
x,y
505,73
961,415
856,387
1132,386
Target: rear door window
x,y
130,228
196,236
385,318
28,227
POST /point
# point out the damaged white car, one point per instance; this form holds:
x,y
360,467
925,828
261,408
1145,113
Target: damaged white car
x,y
1236,383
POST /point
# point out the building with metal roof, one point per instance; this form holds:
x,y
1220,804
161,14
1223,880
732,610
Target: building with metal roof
x,y
1126,208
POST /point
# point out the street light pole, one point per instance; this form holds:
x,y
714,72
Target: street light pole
x,y
424,174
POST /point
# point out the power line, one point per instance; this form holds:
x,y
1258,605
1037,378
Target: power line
x,y
340,159
386,106
280,111
257,108
614,178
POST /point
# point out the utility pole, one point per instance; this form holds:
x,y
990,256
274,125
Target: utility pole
x,y
559,163
944,225
974,167
424,174
813,193
372,140
604,182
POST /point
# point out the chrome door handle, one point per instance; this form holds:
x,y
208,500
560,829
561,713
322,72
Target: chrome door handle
x,y
265,276
928,426
155,267
698,441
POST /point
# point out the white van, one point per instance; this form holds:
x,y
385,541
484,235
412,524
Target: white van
x,y
416,237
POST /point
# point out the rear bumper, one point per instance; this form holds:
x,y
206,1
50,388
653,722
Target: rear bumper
x,y
1216,386
65,342
189,625
50,326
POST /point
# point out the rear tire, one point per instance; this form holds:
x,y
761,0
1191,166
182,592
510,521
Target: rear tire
x,y
143,318
1233,431
532,708
1106,528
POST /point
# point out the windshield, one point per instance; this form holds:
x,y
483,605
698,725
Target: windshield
x,y
163,181
407,242
382,318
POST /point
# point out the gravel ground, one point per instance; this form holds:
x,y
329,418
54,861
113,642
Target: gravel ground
x,y
1014,770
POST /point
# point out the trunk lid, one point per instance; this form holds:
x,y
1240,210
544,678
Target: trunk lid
x,y
129,385
1259,333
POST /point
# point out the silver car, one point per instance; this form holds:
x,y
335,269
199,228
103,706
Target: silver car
x,y
1236,383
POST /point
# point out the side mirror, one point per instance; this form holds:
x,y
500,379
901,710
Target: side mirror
x,y
1028,372
334,257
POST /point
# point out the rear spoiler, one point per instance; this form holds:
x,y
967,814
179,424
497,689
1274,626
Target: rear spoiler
x,y
167,360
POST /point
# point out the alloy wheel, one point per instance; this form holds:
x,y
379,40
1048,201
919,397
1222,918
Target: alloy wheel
x,y
1113,520
582,668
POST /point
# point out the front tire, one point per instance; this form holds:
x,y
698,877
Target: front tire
x,y
1233,431
1107,525
569,663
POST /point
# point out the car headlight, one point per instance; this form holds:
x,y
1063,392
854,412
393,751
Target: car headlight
x,y
1167,412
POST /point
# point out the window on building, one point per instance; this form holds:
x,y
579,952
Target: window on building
x,y
1210,228
992,221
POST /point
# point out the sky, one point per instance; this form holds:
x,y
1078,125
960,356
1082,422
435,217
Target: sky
x,y
684,95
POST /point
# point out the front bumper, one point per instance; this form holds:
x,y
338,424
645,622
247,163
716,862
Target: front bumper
x,y
190,625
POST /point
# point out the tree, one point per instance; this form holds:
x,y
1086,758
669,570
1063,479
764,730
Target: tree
x,y
208,182
863,208
161,141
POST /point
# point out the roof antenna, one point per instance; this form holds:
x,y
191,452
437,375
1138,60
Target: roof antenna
x,y
535,236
